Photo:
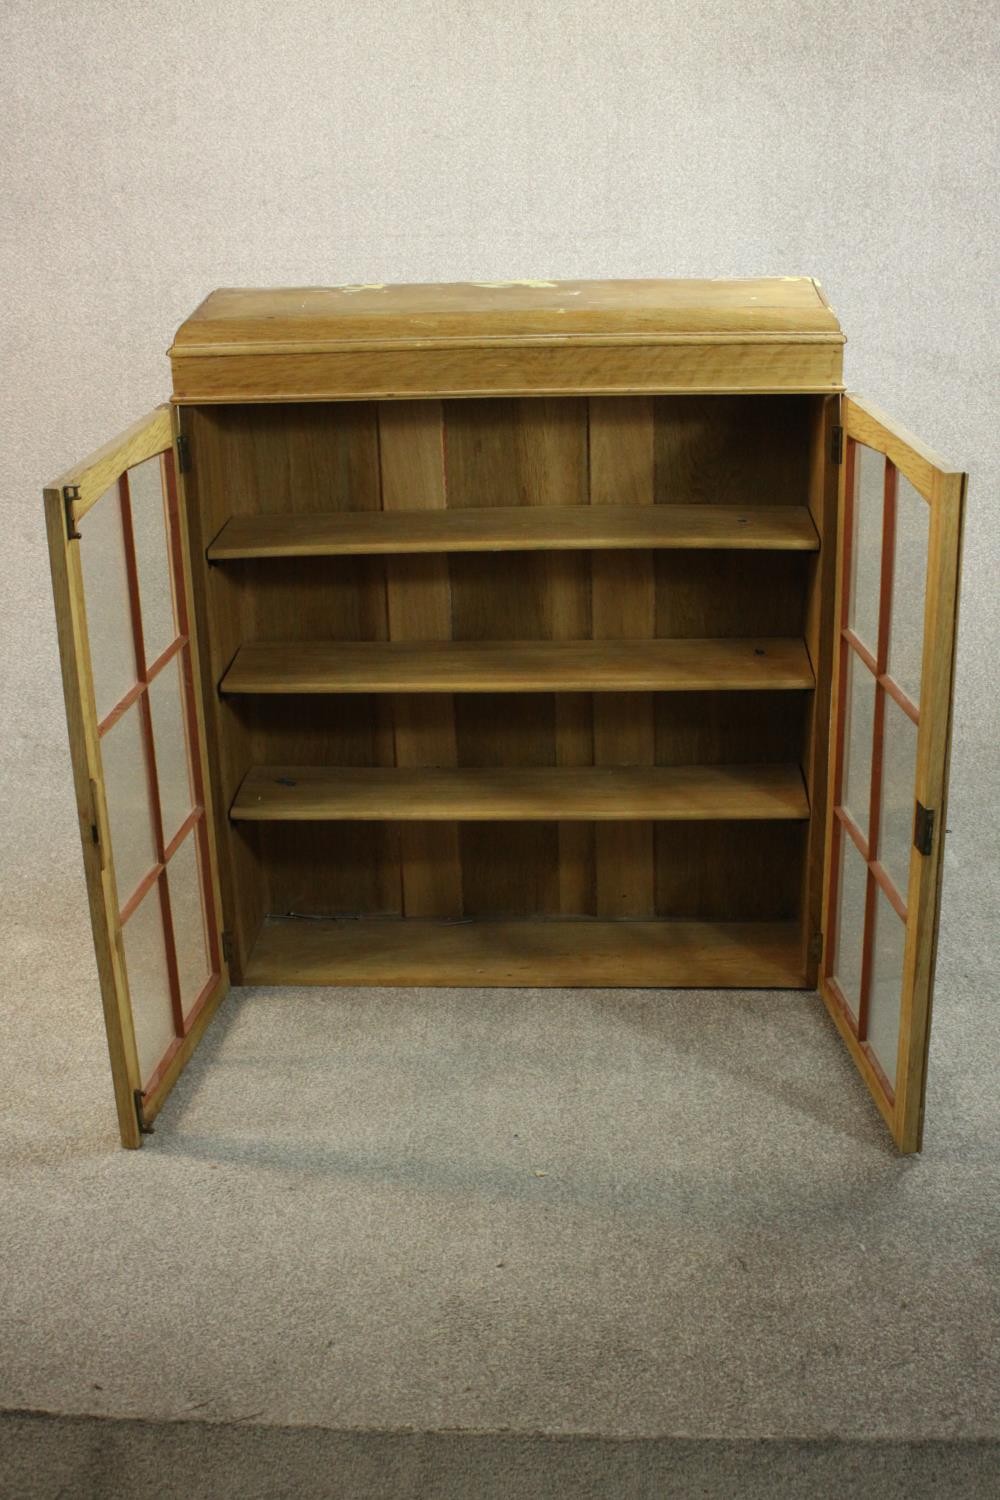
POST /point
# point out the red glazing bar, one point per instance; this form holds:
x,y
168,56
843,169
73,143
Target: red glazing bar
x,y
138,688
161,1067
192,818
132,577
888,565
199,1000
841,1000
110,720
898,696
176,559
154,874
166,657
145,884
146,723
832,914
860,842
190,712
893,897
173,971
171,1052
861,649
887,1088
875,809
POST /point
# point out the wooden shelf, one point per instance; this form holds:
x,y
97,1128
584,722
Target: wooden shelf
x,y
518,528
533,793
536,953
518,666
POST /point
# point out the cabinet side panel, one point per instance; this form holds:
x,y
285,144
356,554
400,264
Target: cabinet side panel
x,y
219,612
823,495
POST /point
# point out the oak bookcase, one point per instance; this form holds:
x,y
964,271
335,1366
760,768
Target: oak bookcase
x,y
532,633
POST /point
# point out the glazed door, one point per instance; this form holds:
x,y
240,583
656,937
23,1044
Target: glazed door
x,y
118,549
897,596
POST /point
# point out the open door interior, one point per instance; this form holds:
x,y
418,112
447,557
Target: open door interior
x,y
897,596
118,549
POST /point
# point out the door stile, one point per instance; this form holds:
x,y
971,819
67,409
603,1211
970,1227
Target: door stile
x,y
207,1003
913,893
98,862
836,829
933,765
140,1086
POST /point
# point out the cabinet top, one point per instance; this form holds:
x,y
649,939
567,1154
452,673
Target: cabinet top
x,y
507,337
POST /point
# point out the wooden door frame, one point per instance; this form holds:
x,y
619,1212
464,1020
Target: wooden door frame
x,y
67,501
943,489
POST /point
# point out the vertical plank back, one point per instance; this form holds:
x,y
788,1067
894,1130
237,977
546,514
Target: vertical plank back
x,y
622,471
418,594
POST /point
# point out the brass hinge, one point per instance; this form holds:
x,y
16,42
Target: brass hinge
x,y
70,494
183,453
837,446
144,1129
923,829
227,947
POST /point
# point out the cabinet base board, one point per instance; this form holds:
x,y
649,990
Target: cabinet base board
x,y
533,953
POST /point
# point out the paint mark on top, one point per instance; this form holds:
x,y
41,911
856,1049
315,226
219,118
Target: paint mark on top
x,y
513,283
361,286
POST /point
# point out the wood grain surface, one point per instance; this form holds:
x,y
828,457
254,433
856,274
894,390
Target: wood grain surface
x,y
532,953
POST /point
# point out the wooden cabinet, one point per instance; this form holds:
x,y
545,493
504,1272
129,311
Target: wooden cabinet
x,y
537,633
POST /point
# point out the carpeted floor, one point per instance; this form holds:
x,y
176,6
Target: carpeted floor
x,y
652,1225
53,1458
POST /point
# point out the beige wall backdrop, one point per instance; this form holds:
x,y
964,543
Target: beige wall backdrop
x,y
151,152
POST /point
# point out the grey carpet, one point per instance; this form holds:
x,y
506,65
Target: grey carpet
x,y
621,1215
79,1458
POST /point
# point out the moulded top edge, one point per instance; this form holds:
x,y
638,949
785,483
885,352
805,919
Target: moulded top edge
x,y
270,320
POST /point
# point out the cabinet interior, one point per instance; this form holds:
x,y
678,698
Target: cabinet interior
x,y
517,691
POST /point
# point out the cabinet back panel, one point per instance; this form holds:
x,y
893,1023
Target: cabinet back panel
x,y
294,457
719,872
713,729
699,871
314,599
332,869
516,452
731,450
729,593
316,457
528,595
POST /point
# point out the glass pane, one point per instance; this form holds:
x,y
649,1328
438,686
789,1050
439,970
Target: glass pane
x,y
170,743
866,544
148,983
852,885
887,986
859,731
899,780
187,911
909,577
127,791
152,556
105,592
